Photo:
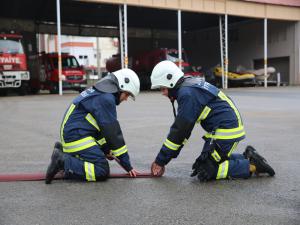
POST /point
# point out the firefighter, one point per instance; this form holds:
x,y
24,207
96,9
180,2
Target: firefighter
x,y
90,131
200,102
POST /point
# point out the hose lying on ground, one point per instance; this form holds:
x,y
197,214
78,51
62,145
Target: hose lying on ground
x,y
41,176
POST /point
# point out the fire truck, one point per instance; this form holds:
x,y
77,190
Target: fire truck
x,y
44,68
144,63
14,73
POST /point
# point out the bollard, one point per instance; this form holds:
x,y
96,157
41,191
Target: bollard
x,y
278,79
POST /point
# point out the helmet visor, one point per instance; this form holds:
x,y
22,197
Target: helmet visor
x,y
153,86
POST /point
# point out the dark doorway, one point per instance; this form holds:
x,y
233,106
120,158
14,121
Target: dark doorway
x,y
281,64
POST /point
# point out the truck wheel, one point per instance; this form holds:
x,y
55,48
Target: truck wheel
x,y
54,88
24,89
3,92
34,91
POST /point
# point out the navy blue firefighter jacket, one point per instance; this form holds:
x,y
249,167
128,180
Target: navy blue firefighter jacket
x,y
200,102
92,120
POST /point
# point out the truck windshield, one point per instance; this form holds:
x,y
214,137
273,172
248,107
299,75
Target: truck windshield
x,y
11,46
67,62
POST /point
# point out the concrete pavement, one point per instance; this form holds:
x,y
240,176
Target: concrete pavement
x,y
29,126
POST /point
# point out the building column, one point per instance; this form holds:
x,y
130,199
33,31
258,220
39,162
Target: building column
x,y
295,77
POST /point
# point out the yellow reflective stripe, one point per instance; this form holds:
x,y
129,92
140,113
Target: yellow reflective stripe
x,y
70,110
231,133
230,130
184,141
89,169
216,156
227,133
79,142
232,148
79,145
171,145
204,113
223,170
92,121
225,98
102,141
120,151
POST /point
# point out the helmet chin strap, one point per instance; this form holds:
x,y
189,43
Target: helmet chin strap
x,y
172,91
174,110
117,97
172,100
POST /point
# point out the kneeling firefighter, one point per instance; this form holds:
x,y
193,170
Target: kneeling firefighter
x,y
90,131
201,102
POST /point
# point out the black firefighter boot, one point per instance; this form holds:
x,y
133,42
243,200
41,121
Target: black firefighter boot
x,y
56,164
258,161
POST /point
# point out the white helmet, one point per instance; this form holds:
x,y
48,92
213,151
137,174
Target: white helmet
x,y
165,74
128,81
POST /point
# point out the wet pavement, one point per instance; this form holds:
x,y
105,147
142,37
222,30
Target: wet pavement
x,y
30,126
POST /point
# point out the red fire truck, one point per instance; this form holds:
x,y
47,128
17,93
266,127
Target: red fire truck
x,y
144,63
45,73
13,65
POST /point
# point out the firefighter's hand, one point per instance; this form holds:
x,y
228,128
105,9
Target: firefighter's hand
x,y
133,173
109,156
157,170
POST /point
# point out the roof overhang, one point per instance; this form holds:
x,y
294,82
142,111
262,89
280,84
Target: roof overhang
x,y
277,2
281,10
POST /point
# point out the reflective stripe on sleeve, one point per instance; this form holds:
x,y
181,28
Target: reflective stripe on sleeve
x,y
92,121
120,151
204,113
102,141
89,169
79,145
171,145
223,170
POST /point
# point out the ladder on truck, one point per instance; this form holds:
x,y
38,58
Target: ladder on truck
x,y
223,24
123,35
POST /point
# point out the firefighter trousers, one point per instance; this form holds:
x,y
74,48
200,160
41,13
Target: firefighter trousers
x,y
89,164
235,165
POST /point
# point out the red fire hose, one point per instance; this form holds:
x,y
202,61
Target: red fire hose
x,y
42,176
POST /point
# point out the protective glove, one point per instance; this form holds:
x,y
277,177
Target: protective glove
x,y
203,175
197,164
195,168
204,168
